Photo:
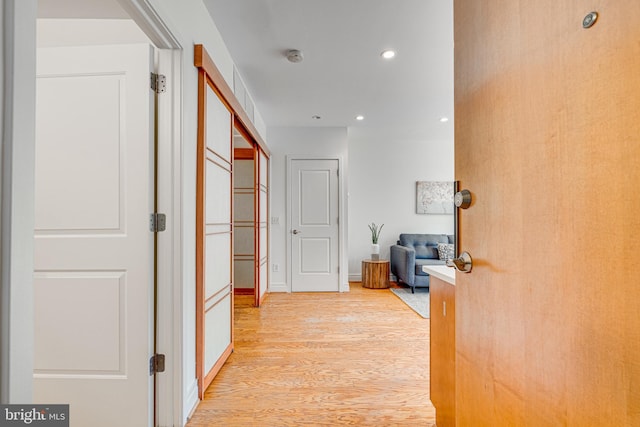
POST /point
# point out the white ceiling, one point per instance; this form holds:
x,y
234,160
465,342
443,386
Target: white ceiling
x,y
342,74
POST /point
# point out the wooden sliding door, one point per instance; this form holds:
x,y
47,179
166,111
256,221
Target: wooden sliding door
x,y
219,112
214,228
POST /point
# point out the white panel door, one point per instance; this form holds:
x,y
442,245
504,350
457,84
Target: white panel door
x,y
314,225
93,247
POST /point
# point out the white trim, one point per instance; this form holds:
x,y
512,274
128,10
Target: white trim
x,y
149,21
191,400
170,341
17,200
278,287
170,338
355,277
343,284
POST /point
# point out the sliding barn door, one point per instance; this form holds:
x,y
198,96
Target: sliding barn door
x,y
214,243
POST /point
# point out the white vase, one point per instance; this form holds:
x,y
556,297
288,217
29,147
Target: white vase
x,y
375,251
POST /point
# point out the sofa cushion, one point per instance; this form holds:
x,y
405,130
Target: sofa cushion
x,y
445,251
424,245
429,261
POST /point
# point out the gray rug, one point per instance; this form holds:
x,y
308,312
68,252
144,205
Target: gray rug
x,y
419,301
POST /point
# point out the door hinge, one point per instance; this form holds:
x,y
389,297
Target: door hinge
x,y
158,83
156,364
157,222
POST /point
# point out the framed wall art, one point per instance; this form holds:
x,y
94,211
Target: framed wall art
x,y
434,197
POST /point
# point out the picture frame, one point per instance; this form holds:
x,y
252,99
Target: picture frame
x,y
434,197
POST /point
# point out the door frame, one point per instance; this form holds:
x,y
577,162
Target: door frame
x,y
17,207
343,285
169,398
169,392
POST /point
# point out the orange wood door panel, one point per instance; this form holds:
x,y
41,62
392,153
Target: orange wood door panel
x,y
548,141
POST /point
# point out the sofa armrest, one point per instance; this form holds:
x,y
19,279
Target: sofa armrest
x,y
403,261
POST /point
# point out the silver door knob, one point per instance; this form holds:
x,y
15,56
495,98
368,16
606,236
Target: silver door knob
x,y
297,231
463,263
462,199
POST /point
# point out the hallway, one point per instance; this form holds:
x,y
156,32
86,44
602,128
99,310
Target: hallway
x,y
324,359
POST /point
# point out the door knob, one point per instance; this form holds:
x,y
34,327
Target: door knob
x,y
463,263
462,199
297,231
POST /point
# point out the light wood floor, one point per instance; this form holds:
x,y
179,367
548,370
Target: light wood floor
x,y
323,359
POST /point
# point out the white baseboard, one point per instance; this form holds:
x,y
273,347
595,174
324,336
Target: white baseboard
x,y
191,400
278,287
358,278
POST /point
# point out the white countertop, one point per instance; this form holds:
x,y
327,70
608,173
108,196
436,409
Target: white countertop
x,y
448,274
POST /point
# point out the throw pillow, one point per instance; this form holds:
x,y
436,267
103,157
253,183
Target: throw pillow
x,y
445,251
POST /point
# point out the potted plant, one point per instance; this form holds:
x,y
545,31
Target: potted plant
x,y
375,234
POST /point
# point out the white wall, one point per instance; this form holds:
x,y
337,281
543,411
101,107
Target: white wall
x,y
327,142
383,170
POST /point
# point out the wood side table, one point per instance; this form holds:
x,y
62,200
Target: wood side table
x,y
375,274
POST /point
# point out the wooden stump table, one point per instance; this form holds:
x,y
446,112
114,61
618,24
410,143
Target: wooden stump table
x,y
375,274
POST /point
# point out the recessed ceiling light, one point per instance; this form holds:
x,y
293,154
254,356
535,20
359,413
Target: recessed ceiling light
x,y
388,54
444,119
360,117
316,117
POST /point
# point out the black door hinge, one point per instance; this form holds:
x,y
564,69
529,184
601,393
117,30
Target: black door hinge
x,y
156,364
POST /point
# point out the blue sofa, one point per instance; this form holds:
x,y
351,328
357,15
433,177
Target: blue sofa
x,y
412,252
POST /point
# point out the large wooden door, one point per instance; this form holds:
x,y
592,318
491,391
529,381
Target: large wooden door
x,y
548,141
93,248
314,225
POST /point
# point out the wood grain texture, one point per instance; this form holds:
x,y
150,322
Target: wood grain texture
x,y
375,274
442,301
548,141
324,359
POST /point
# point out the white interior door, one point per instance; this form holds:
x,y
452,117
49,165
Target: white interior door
x,y
93,247
314,225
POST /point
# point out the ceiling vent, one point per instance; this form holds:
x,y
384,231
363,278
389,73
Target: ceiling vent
x,y
294,56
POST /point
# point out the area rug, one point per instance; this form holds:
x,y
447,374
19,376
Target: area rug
x,y
419,302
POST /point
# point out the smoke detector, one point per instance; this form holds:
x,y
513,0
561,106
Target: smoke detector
x,y
294,56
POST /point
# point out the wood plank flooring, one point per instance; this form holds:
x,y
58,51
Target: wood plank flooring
x,y
323,359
